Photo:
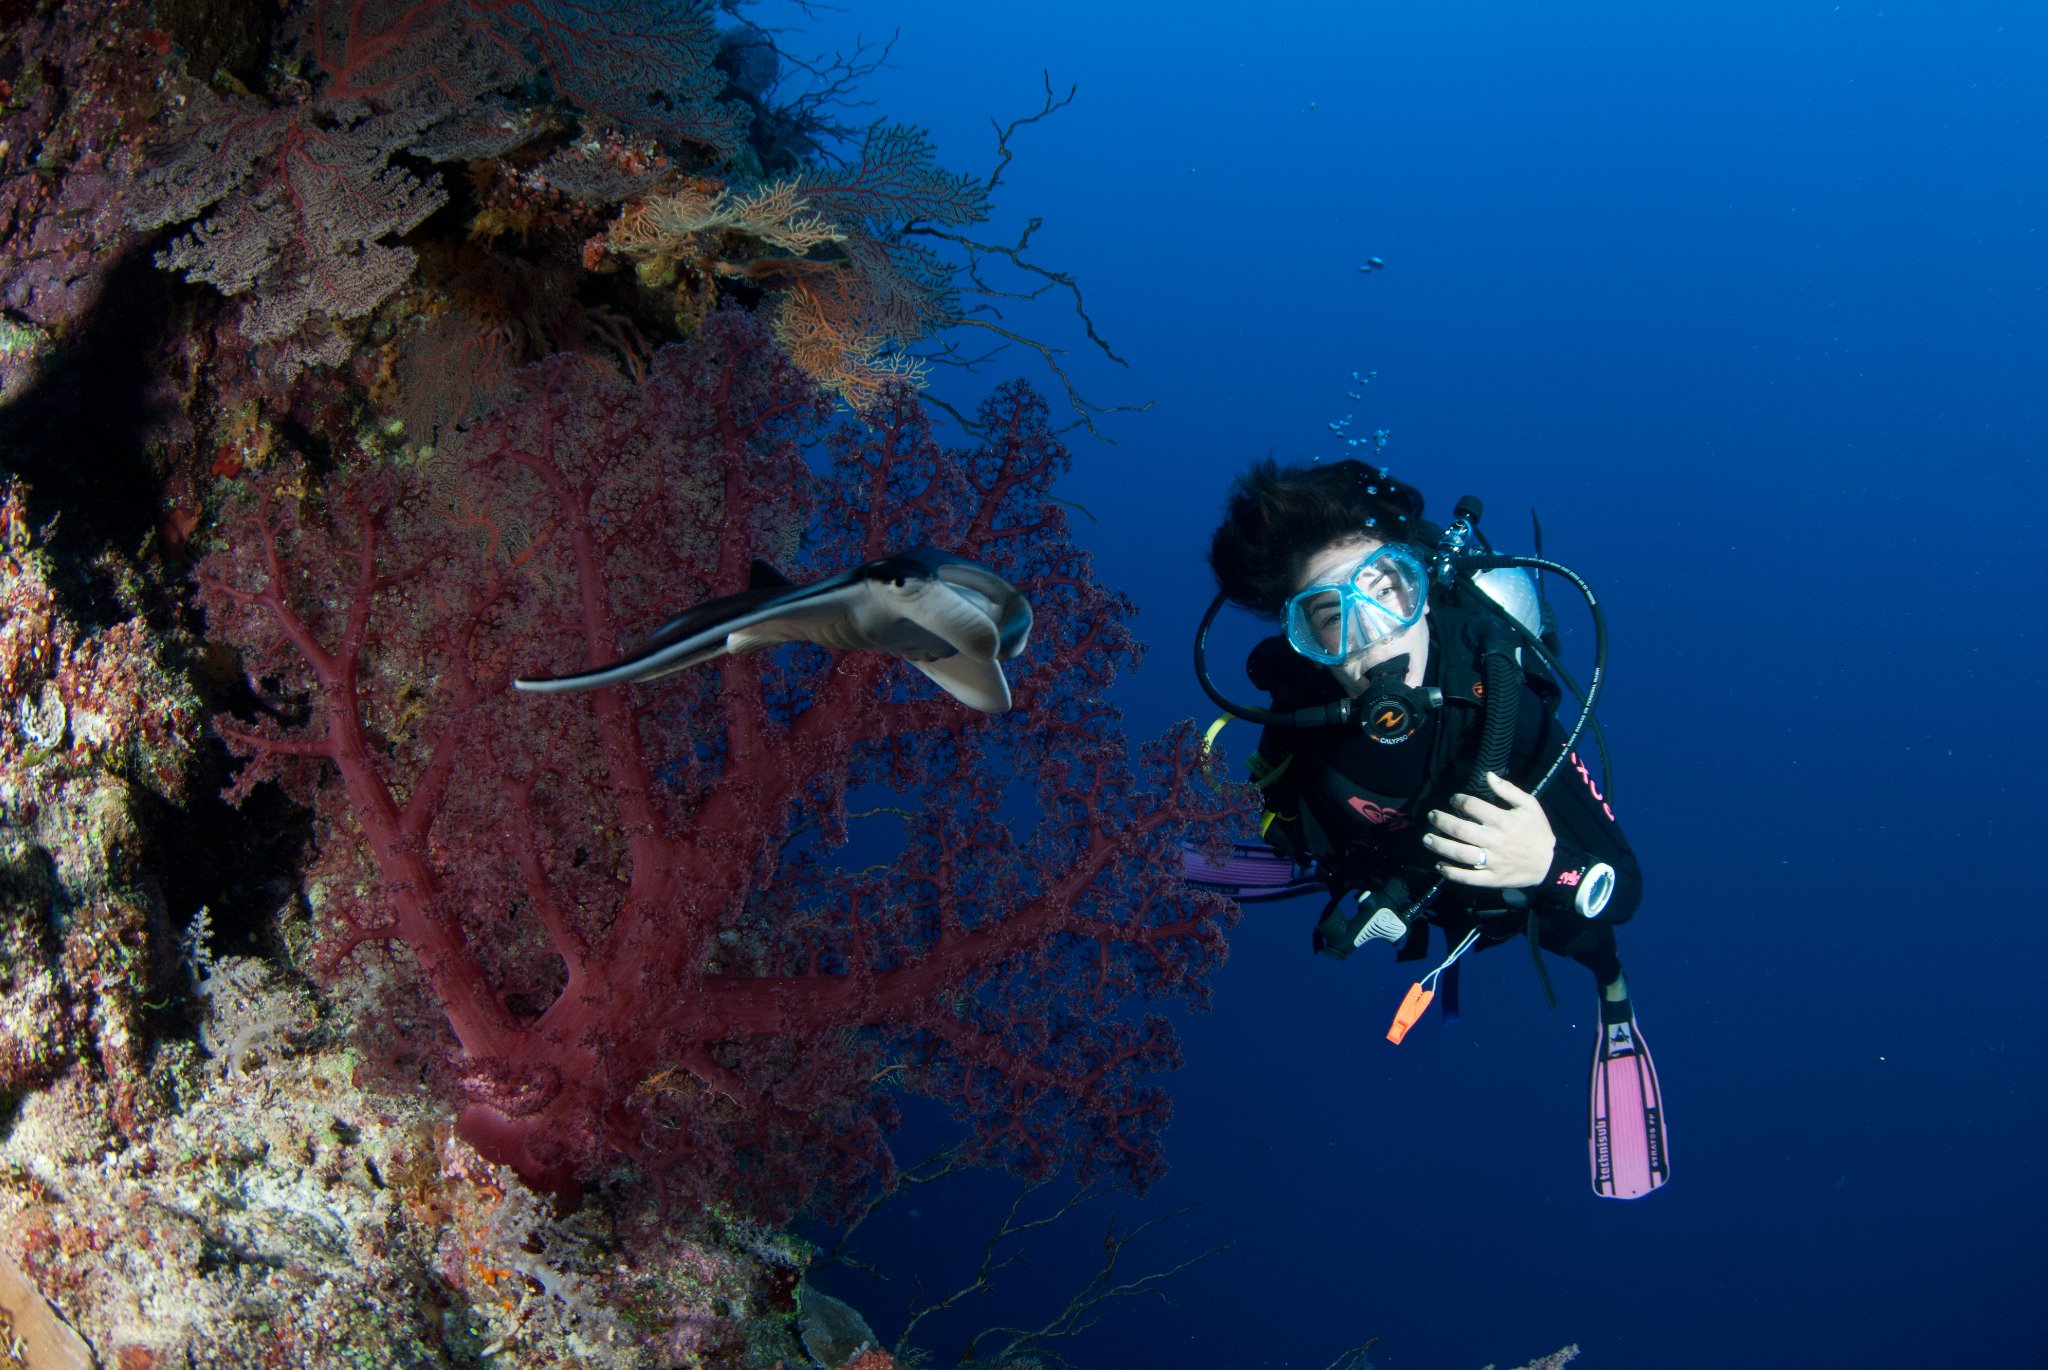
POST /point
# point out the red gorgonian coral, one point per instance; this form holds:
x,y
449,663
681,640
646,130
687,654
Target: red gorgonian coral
x,y
709,922
296,196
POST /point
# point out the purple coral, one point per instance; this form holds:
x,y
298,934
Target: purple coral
x,y
295,210
645,65
629,904
301,193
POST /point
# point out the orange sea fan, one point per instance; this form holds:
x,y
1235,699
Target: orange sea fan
x,y
849,302
829,330
685,222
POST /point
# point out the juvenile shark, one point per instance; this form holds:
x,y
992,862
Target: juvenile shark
x,y
953,619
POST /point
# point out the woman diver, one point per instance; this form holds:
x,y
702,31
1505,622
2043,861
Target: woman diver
x,y
1409,753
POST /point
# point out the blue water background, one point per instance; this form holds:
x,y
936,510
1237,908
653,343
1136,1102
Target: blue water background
x,y
1749,300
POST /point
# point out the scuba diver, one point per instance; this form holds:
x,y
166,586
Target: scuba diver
x,y
1413,763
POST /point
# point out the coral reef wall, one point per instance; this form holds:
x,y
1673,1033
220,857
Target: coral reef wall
x,y
354,359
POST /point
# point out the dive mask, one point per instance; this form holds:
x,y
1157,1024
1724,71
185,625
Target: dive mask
x,y
1378,597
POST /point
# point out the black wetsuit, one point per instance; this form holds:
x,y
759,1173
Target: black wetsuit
x,y
1361,807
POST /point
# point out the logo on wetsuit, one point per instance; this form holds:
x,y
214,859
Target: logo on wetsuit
x,y
1379,815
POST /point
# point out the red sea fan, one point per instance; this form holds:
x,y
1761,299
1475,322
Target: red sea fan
x,y
644,65
639,907
298,195
896,181
296,208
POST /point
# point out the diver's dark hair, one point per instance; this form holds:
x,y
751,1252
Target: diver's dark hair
x,y
1279,517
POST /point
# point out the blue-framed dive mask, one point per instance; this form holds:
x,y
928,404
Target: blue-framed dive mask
x,y
1383,593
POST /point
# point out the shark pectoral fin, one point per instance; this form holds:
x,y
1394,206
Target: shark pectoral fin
x,y
755,640
975,682
1003,602
823,619
959,618
1016,631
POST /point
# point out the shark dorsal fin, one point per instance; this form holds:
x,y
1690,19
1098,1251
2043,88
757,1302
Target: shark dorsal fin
x,y
762,576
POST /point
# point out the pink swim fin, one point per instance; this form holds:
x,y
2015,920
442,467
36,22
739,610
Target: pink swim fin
x,y
1629,1146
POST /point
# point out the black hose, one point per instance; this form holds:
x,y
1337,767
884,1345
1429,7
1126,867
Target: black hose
x,y
1546,652
1591,697
1503,700
1321,716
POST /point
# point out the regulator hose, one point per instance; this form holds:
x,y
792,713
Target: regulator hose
x,y
1590,697
1321,716
1497,738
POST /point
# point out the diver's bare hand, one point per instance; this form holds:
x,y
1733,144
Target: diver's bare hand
x,y
1503,844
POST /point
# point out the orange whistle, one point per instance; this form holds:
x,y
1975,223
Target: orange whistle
x,y
1410,1012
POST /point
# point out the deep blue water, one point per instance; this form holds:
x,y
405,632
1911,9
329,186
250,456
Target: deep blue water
x,y
1749,300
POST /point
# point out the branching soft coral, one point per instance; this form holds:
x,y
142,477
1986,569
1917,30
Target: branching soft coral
x,y
635,906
